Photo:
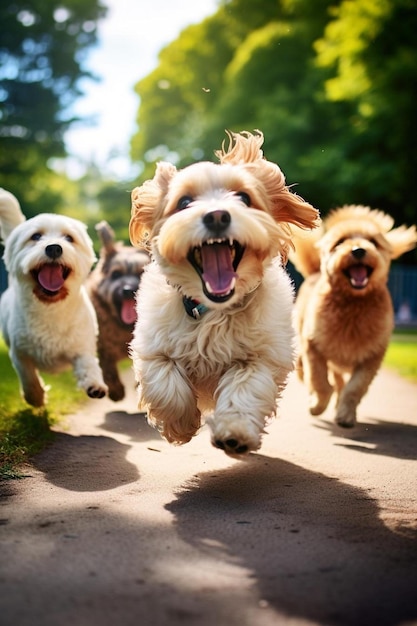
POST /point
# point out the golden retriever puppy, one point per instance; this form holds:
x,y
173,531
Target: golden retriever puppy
x,y
47,319
112,287
343,309
214,335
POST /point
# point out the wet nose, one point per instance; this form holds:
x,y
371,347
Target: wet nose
x,y
217,221
127,292
358,253
53,251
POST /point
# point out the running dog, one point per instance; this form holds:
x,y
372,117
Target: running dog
x,y
47,319
344,309
214,335
112,287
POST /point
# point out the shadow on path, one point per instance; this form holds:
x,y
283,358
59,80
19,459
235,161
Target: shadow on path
x,y
380,437
315,546
86,463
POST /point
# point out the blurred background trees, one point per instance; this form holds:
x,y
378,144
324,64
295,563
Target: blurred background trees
x,y
331,83
42,47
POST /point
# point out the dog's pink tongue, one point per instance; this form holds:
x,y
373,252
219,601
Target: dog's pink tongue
x,y
358,275
218,272
50,277
128,312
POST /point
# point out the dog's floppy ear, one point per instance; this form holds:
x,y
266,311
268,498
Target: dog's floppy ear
x,y
147,203
287,206
401,240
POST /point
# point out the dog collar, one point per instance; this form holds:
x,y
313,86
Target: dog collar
x,y
194,308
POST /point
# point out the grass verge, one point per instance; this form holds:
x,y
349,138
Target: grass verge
x,y
24,430
401,355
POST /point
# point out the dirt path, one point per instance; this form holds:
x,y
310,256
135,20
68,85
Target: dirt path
x,y
115,527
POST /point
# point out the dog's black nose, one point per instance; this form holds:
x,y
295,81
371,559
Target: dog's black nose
x,y
217,221
358,253
54,250
127,292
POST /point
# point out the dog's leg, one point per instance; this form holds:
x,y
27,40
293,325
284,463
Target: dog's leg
x,y
246,396
315,377
33,389
89,376
354,391
111,377
169,399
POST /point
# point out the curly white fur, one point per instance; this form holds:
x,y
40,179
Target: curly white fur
x,y
231,364
48,330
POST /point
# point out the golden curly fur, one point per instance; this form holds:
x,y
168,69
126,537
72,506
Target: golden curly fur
x,y
344,311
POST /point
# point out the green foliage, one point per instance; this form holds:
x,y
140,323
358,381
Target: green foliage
x,y
42,46
402,355
24,430
331,84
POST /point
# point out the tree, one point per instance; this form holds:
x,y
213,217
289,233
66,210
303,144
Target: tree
x,y
370,47
42,46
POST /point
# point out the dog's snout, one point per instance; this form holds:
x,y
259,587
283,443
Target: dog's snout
x,y
358,253
127,292
53,251
217,221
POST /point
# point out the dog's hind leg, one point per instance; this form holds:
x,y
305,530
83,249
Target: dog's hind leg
x,y
32,386
168,397
89,375
354,391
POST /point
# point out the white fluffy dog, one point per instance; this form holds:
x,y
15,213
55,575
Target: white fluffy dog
x,y
47,320
214,332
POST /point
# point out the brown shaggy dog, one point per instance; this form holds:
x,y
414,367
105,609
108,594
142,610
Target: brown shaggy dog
x,y
112,288
344,309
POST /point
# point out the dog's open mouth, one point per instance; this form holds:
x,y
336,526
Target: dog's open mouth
x,y
216,261
358,275
126,308
51,277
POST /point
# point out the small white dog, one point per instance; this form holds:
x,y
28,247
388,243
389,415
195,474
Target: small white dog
x,y
214,331
47,320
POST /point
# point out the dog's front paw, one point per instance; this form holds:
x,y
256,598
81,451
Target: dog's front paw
x,y
345,416
235,441
232,446
96,391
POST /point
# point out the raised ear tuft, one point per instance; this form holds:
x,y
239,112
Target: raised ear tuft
x,y
106,236
401,240
243,147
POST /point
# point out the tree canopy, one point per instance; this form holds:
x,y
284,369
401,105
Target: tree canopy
x,y
331,83
42,48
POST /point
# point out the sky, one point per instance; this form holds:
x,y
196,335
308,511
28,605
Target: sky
x,y
130,38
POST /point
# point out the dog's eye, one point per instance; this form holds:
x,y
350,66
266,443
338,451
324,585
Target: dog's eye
x,y
69,238
116,274
244,197
36,236
338,243
184,202
374,242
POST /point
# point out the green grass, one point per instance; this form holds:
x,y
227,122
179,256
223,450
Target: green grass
x,y
401,355
24,430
